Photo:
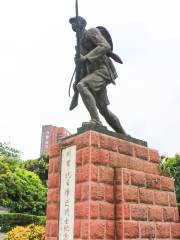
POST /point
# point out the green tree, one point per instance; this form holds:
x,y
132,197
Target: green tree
x,y
8,151
20,189
172,166
38,166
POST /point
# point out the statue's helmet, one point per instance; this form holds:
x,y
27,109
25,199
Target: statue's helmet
x,y
81,20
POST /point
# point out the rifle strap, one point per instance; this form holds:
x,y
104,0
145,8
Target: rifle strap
x,y
69,91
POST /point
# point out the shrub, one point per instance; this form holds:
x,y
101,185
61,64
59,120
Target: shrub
x,y
10,220
30,232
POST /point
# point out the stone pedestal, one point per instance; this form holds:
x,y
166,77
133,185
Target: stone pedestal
x,y
119,190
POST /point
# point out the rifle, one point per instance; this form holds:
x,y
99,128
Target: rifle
x,y
74,101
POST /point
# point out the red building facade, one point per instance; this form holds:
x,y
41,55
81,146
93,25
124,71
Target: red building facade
x,y
51,135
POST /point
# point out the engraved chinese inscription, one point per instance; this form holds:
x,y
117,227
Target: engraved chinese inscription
x,y
66,223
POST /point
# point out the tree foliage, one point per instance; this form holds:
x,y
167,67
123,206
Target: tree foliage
x,y
172,166
8,151
38,166
20,189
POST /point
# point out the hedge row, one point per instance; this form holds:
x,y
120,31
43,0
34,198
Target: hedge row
x,y
10,220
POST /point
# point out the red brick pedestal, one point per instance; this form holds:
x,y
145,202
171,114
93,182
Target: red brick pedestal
x,y
120,193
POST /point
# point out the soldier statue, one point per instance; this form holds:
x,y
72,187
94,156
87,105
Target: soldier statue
x,y
96,71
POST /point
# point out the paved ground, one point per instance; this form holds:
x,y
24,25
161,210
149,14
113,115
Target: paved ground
x,y
2,236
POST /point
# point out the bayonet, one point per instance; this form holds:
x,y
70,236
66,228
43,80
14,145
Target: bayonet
x,y
74,101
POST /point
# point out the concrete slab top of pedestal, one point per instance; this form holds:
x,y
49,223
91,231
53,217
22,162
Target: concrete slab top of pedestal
x,y
104,130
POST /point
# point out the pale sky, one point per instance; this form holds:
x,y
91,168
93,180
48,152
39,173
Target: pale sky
x,y
36,64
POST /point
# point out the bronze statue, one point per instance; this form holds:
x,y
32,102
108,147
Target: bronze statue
x,y
94,71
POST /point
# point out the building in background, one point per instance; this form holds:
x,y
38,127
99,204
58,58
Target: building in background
x,y
51,135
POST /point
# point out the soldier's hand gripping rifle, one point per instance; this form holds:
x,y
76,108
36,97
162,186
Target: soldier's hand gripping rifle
x,y
74,101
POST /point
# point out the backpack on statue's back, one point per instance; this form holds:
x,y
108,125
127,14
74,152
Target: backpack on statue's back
x,y
108,38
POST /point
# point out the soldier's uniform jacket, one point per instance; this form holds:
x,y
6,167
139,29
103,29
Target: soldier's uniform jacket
x,y
98,67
